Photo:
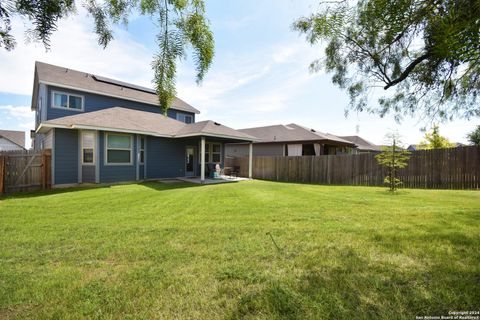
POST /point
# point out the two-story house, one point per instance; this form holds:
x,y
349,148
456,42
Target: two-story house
x,y
102,130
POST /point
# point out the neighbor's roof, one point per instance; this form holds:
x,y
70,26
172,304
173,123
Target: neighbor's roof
x,y
121,119
362,143
64,77
290,133
17,137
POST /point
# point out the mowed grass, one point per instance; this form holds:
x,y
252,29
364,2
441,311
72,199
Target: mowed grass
x,y
181,251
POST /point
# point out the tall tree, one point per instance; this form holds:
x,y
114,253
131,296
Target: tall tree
x,y
433,140
474,137
182,25
425,54
393,157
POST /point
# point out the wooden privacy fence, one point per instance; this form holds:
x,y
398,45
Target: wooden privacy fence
x,y
25,170
454,168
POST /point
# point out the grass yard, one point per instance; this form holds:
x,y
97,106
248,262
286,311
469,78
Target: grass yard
x,y
181,251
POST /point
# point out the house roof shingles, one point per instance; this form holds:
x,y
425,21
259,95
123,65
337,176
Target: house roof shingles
x,y
135,121
61,76
290,133
362,144
17,137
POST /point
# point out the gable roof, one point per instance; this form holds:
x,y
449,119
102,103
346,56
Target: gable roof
x,y
291,133
362,143
17,137
68,78
122,119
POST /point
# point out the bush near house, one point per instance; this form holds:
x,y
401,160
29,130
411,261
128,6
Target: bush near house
x,y
164,251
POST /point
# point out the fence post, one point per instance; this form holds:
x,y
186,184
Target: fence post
x,y
2,174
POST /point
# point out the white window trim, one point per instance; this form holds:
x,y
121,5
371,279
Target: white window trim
x,y
94,148
124,149
68,101
219,152
140,150
209,151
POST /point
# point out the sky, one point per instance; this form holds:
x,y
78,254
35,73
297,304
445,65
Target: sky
x,y
259,75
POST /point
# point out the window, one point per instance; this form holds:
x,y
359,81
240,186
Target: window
x,y
184,117
142,150
213,152
67,101
216,152
207,152
88,147
119,149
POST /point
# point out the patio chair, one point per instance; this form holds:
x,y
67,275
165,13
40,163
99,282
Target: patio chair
x,y
235,171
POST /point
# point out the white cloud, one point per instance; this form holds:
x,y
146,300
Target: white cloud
x,y
75,45
18,111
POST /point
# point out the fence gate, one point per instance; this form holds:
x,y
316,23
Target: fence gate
x,y
25,170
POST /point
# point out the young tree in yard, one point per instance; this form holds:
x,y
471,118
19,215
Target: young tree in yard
x,y
393,157
181,25
434,140
424,54
474,137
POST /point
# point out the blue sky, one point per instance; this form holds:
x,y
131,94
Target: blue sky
x,y
259,76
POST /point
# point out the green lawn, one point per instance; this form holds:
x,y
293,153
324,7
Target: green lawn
x,y
181,251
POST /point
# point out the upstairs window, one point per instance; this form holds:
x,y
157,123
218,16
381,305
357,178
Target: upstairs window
x,y
69,101
187,118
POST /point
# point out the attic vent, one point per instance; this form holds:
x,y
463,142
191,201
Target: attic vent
x,y
66,70
217,124
313,130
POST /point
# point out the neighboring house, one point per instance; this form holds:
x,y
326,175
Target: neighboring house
x,y
414,147
12,140
290,140
363,146
102,130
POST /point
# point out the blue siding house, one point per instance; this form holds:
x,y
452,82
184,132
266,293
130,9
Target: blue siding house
x,y
102,130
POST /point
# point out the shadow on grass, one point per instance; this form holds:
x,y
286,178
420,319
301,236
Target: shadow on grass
x,y
154,185
357,287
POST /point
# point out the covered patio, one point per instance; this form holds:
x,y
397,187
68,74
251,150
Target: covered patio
x,y
214,131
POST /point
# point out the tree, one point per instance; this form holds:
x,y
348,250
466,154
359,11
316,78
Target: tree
x,y
182,24
434,140
474,137
423,53
393,158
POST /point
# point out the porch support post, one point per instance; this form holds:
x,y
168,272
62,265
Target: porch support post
x,y
250,160
202,160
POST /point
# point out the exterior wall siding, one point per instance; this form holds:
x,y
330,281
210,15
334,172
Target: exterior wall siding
x,y
95,102
66,156
165,158
263,149
116,173
88,174
7,145
48,140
